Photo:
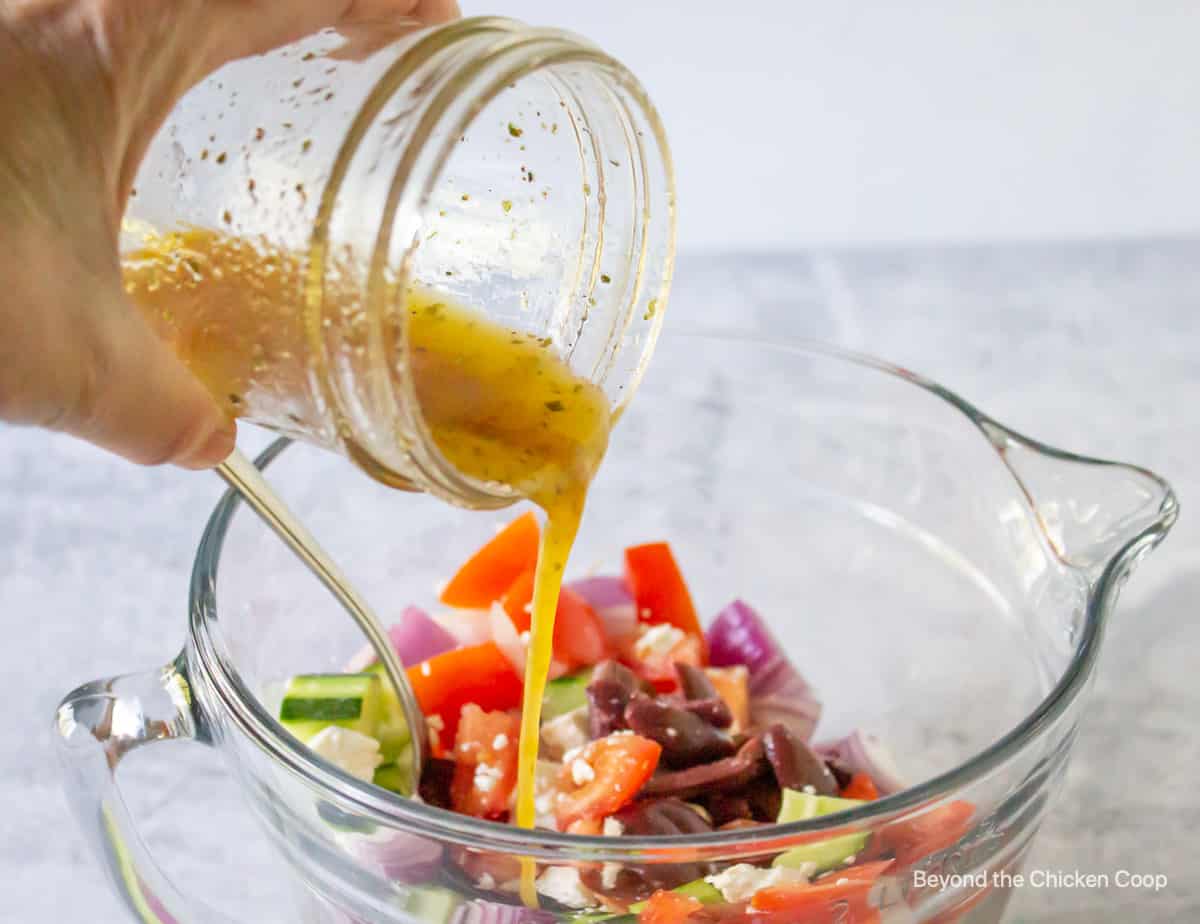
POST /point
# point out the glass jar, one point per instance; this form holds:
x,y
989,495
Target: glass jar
x,y
520,171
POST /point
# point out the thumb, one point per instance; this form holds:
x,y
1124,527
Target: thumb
x,y
140,401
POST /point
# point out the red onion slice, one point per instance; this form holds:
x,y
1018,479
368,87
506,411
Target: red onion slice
x,y
415,638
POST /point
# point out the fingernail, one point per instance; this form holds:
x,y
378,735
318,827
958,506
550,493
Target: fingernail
x,y
215,450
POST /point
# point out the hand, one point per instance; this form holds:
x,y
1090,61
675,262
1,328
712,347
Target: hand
x,y
84,85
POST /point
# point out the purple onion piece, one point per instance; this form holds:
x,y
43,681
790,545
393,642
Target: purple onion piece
x,y
862,752
483,912
415,638
613,603
777,691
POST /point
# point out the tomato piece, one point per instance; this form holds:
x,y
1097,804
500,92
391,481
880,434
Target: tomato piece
x,y
659,670
658,587
518,600
669,908
490,571
617,768
861,786
480,674
914,838
579,636
839,896
485,768
733,686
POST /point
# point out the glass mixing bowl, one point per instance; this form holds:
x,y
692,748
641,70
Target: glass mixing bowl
x,y
938,578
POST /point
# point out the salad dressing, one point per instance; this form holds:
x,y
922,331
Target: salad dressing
x,y
499,404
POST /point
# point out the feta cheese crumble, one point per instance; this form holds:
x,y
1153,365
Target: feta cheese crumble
x,y
562,883
352,751
486,777
582,772
739,883
657,640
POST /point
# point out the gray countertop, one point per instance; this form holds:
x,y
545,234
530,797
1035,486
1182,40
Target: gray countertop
x,y
1093,347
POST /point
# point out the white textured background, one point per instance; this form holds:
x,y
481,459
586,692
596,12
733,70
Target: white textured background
x,y
795,121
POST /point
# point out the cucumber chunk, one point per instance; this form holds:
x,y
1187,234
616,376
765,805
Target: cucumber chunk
x,y
432,904
565,694
827,854
313,702
704,892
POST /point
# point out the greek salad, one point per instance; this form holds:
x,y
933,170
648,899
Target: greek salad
x,y
652,725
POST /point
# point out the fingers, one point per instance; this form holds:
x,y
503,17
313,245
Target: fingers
x,y
138,400
251,28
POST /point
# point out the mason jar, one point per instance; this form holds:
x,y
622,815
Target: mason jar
x,y
519,171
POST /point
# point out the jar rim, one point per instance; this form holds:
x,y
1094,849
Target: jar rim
x,y
248,713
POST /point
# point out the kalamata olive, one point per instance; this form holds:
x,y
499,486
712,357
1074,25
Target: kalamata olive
x,y
728,775
436,777
795,764
694,683
663,818
713,711
686,738
727,807
608,694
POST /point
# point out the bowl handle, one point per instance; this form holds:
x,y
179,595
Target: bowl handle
x,y
98,724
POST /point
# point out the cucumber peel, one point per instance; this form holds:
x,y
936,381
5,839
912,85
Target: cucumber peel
x,y
827,854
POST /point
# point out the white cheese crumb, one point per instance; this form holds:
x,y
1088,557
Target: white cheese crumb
x,y
613,828
352,751
568,732
562,883
572,754
582,772
608,875
740,882
487,882
657,640
486,777
436,726
500,742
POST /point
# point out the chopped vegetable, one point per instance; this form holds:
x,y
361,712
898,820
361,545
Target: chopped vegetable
x,y
313,702
733,686
658,588
668,908
843,895
485,773
415,638
613,603
860,787
914,838
491,571
579,636
518,600
607,775
862,752
824,854
778,692
481,675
